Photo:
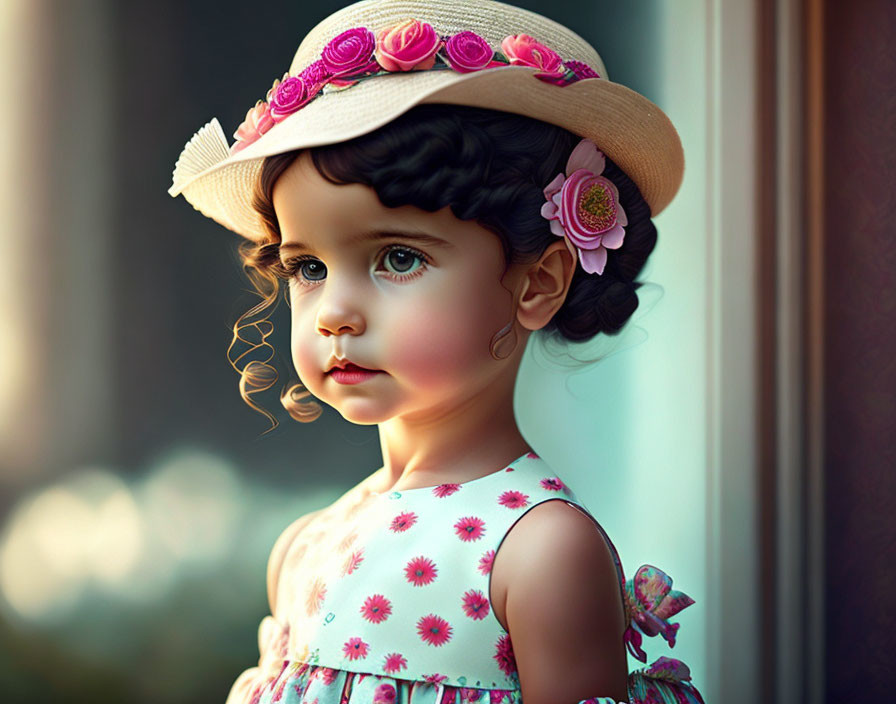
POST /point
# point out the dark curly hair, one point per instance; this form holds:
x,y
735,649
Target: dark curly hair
x,y
487,165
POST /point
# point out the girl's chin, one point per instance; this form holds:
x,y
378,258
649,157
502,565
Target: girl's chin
x,y
362,411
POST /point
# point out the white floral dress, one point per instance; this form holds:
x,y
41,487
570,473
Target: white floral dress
x,y
385,598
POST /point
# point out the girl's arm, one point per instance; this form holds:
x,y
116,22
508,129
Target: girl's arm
x,y
271,634
564,608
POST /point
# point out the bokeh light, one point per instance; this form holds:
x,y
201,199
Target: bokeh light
x,y
95,534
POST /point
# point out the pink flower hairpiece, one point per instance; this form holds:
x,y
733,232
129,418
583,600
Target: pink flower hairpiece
x,y
584,207
411,45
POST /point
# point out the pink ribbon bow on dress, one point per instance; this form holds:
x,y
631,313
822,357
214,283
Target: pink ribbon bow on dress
x,y
651,601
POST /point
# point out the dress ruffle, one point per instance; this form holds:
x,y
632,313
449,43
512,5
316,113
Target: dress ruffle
x,y
305,683
664,682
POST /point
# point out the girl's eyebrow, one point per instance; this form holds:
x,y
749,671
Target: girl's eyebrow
x,y
421,238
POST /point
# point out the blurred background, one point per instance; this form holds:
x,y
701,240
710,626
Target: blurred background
x,y
740,438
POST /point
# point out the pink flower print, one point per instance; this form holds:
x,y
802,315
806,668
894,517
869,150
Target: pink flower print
x,y
434,630
443,490
475,604
317,592
347,541
355,648
532,455
409,45
395,662
299,553
435,678
384,694
485,562
403,521
553,484
499,696
504,655
509,469
420,571
352,561
449,695
513,499
468,695
376,608
327,675
470,528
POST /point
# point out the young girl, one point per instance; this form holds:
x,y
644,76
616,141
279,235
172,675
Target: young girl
x,y
435,182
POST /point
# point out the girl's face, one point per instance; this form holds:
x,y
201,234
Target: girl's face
x,y
421,307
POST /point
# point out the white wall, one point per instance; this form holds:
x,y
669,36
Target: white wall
x,y
658,439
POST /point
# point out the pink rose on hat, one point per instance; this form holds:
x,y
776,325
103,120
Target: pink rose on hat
x,y
468,52
288,96
316,73
258,121
410,45
349,53
570,72
584,207
523,50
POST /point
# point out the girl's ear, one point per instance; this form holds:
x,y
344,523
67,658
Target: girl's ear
x,y
545,284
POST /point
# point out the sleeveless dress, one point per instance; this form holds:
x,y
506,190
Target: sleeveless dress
x,y
384,599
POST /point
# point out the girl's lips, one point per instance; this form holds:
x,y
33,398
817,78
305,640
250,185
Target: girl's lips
x,y
352,367
352,374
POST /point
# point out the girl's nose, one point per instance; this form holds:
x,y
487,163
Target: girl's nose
x,y
339,314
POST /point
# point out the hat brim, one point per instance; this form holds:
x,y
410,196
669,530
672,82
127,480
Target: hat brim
x,y
625,125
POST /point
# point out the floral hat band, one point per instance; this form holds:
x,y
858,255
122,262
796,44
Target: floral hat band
x,y
477,53
359,54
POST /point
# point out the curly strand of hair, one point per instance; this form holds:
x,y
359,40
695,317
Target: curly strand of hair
x,y
259,263
257,375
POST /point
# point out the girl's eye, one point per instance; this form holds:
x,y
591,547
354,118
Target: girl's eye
x,y
403,259
310,269
401,264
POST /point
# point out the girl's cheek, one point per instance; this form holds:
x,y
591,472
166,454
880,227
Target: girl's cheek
x,y
304,354
441,340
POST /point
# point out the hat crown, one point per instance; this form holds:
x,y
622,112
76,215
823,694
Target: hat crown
x,y
490,19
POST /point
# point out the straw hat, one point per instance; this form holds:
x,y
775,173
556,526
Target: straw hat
x,y
218,178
